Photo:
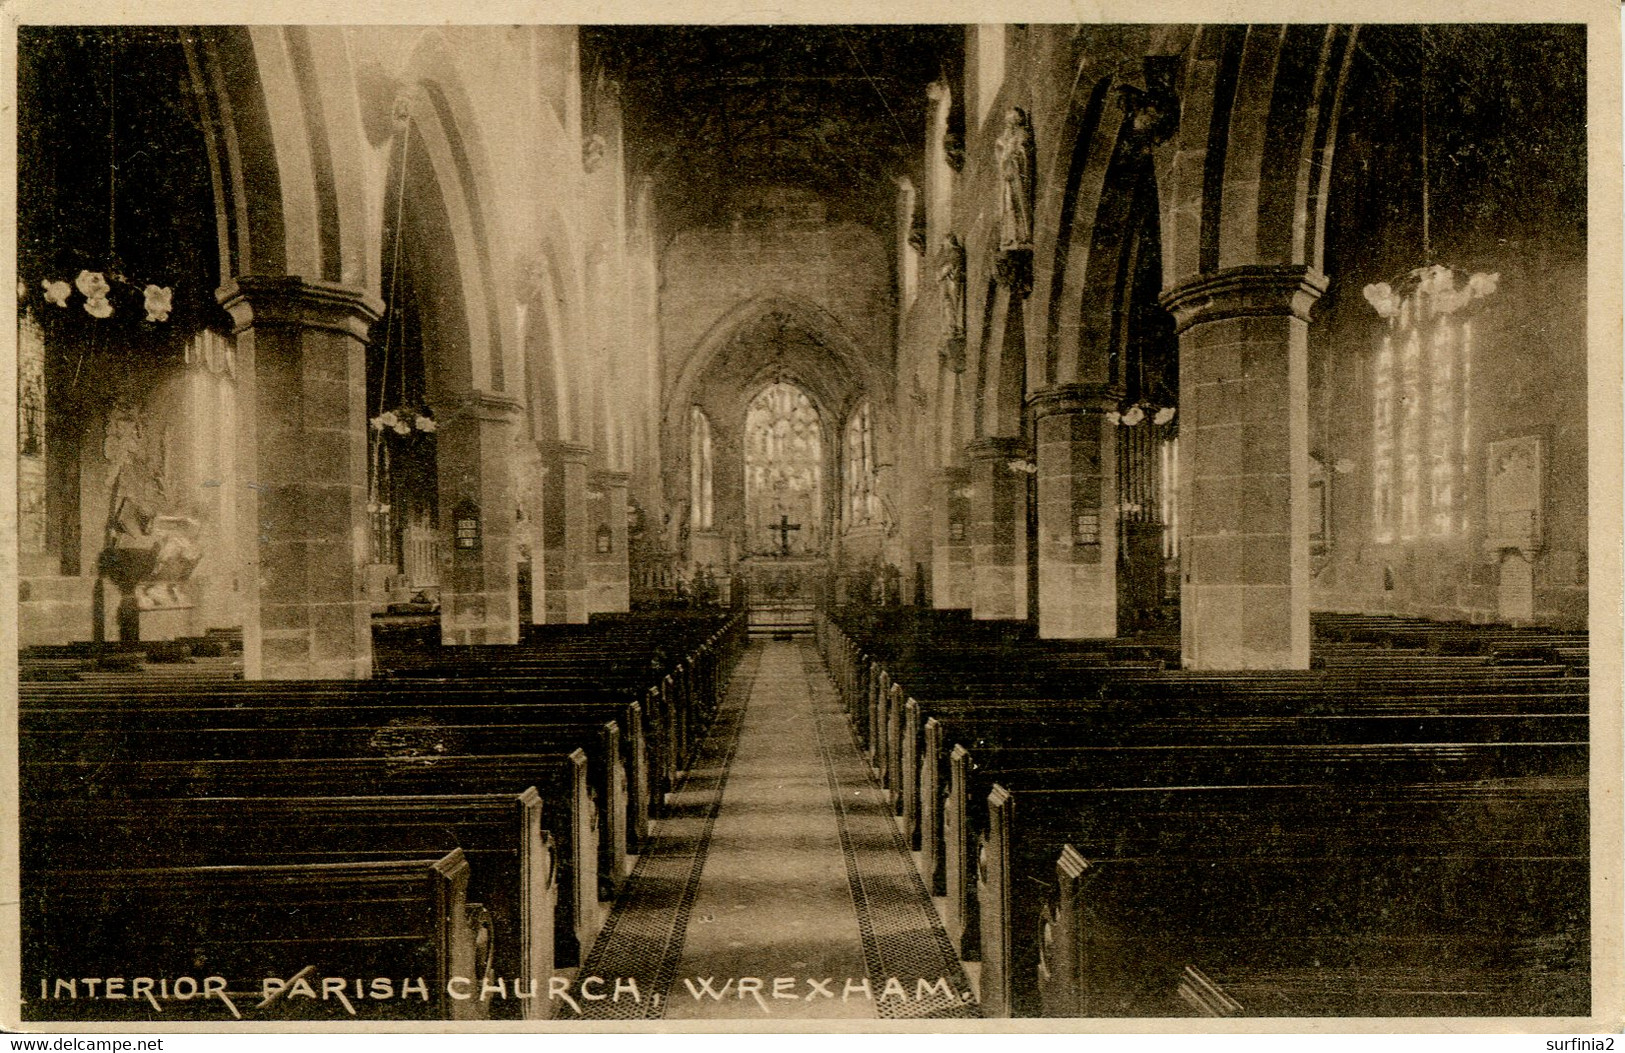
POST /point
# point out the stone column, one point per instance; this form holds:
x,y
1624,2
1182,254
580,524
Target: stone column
x,y
608,581
1077,512
951,569
479,596
1244,476
564,532
998,528
302,445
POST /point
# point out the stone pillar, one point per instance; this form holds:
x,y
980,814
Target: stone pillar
x,y
479,596
951,569
1244,476
302,445
608,581
998,529
1077,512
564,533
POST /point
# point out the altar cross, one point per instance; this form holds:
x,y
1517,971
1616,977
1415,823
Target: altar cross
x,y
784,526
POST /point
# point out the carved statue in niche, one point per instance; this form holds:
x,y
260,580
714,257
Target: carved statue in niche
x,y
1014,151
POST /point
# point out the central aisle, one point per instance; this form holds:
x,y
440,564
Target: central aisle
x,y
778,887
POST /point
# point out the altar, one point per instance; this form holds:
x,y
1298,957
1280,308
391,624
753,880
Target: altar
x,y
781,592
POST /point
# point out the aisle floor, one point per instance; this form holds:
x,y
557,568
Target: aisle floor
x,y
778,886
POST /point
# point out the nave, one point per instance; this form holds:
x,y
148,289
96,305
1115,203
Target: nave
x,y
1174,439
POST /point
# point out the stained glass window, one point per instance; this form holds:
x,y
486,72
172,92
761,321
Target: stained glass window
x,y
784,472
1421,416
702,498
861,504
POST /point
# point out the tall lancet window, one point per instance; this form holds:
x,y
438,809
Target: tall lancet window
x,y
702,499
784,472
861,504
1421,420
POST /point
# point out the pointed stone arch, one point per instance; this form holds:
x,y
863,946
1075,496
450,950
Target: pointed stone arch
x,y
445,123
851,364
727,368
440,185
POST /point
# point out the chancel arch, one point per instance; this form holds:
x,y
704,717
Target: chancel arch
x,y
753,347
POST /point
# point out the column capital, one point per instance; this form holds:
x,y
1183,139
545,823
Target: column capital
x,y
1074,398
481,405
604,478
569,451
289,301
998,447
1256,290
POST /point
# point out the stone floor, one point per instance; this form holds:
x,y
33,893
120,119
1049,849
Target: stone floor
x,y
778,886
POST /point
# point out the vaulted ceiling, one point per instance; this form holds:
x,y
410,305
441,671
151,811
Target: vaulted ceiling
x,y
711,110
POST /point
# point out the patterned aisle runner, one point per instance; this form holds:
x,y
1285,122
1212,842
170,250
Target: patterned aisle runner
x,y
903,939
779,887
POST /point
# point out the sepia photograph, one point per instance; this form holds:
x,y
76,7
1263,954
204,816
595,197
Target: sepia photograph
x,y
817,525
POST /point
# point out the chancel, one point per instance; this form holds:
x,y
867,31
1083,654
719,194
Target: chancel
x,y
555,523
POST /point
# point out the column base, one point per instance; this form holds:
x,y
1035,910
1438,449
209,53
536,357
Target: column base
x,y
1243,627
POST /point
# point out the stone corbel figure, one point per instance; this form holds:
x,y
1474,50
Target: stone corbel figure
x,y
951,282
1153,111
916,232
592,153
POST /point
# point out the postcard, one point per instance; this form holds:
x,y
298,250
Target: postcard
x,y
995,519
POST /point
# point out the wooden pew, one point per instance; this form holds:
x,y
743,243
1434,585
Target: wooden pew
x,y
682,694
1307,689
404,921
556,776
1020,837
1463,899
1238,761
334,733
403,719
510,855
979,723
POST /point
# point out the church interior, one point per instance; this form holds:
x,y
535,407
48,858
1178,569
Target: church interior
x,y
626,523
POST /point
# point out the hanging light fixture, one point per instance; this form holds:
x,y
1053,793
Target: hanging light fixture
x,y
405,419
392,428
1433,288
98,289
